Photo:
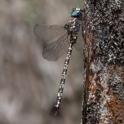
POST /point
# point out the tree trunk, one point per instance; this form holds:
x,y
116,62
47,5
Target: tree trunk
x,y
103,31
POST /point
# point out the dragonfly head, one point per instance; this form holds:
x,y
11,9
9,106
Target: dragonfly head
x,y
76,12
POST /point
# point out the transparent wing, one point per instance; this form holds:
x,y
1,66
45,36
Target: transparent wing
x,y
53,39
56,49
47,33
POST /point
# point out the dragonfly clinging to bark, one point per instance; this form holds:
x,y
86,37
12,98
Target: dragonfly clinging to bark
x,y
64,37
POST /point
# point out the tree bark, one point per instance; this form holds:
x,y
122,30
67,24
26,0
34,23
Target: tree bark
x,y
103,32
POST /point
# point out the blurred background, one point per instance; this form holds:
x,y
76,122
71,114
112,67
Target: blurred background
x,y
28,82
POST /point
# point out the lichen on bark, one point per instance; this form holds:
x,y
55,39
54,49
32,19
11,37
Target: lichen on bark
x,y
103,32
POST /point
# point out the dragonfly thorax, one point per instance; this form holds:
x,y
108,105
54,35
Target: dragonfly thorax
x,y
72,28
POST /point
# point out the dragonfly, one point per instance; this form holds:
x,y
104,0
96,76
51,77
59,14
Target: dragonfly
x,y
64,38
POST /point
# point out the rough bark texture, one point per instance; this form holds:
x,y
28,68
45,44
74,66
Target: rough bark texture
x,y
104,62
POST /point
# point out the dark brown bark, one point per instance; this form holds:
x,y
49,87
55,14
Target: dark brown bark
x,y
103,31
